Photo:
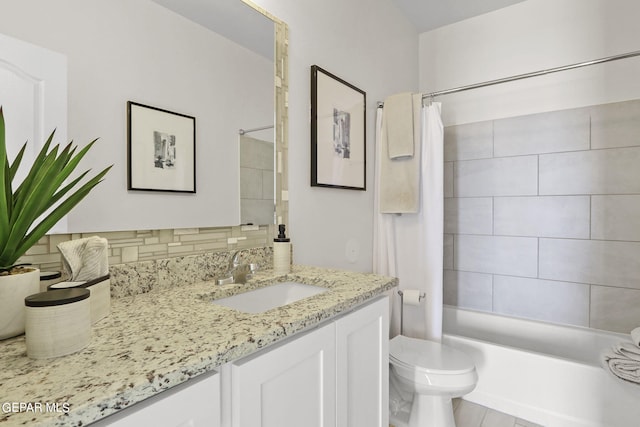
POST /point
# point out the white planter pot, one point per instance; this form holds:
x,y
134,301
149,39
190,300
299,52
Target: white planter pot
x,y
13,290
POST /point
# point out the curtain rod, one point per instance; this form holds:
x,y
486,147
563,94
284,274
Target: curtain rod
x,y
528,75
243,131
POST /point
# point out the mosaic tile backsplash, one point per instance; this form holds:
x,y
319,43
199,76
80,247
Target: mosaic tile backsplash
x,y
142,260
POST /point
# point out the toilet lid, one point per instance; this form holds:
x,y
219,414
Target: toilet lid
x,y
428,356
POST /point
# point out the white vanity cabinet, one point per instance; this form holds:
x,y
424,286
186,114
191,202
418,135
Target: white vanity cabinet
x,y
362,354
291,385
334,375
195,403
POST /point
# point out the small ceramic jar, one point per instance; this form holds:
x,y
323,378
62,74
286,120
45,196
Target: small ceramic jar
x,y
57,322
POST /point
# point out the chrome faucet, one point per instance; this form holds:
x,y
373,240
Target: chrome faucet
x,y
237,272
234,261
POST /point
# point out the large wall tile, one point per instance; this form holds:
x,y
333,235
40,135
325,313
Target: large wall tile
x,y
542,299
615,309
611,171
550,216
255,153
268,181
251,183
615,125
552,132
615,217
542,215
448,252
448,179
515,256
468,141
511,176
591,261
471,215
468,290
256,211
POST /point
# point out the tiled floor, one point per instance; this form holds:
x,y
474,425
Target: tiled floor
x,y
469,414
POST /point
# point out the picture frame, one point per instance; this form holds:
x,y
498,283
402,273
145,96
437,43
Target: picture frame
x,y
338,132
161,150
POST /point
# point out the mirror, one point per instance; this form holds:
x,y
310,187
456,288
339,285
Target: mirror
x,y
249,28
164,54
257,204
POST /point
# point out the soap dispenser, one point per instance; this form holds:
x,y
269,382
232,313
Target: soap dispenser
x,y
281,252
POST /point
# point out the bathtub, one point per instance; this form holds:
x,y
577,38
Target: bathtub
x,y
546,373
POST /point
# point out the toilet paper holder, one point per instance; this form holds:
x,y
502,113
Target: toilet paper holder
x,y
420,298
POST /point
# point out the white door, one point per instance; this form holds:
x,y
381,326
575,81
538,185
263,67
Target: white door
x,y
33,96
291,385
362,341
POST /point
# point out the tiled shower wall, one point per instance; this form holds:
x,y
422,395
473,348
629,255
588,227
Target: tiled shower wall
x,y
542,216
256,181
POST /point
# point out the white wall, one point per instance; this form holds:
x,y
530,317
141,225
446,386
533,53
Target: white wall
x,y
121,50
371,45
531,36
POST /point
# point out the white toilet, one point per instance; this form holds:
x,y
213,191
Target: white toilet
x,y
434,374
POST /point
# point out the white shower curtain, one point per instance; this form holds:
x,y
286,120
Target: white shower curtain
x,y
412,244
384,253
384,233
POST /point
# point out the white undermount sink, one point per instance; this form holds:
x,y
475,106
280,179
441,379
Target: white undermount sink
x,y
272,296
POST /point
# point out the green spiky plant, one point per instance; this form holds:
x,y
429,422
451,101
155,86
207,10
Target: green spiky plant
x,y
43,188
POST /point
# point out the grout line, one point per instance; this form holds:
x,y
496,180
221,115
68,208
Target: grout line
x,y
517,236
545,195
484,415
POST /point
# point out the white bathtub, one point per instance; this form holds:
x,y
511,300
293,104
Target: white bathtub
x,y
542,372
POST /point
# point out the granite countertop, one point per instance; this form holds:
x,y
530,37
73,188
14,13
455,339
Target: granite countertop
x,y
151,342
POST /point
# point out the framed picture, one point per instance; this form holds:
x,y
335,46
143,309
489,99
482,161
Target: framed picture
x,y
161,150
338,151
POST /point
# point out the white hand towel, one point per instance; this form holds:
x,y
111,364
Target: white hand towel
x,y
635,336
399,190
625,369
85,259
623,360
398,110
629,351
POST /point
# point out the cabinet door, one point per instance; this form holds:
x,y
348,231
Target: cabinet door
x,y
362,339
195,403
289,385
